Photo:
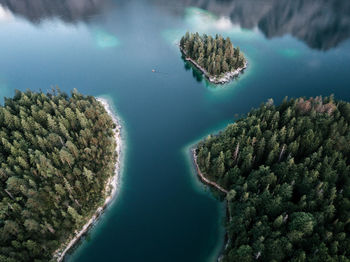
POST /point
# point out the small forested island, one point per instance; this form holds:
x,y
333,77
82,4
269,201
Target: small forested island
x,y
216,57
285,173
58,157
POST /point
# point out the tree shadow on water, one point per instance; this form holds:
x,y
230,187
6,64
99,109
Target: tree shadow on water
x,y
196,73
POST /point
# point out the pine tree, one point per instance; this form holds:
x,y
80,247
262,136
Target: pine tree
x,y
224,66
289,175
216,55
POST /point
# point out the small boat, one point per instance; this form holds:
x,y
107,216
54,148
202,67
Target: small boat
x,y
153,70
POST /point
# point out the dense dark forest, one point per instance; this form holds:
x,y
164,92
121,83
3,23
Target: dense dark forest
x,y
216,55
56,154
287,171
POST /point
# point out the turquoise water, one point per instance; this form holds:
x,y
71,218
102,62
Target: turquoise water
x,y
109,48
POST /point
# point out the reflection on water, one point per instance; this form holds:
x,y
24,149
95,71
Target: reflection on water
x,y
5,15
321,24
197,75
67,10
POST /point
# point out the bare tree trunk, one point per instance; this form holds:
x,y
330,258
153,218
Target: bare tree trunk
x,y
236,152
10,195
282,152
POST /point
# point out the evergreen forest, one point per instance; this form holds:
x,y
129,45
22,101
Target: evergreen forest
x,y
56,154
215,55
287,172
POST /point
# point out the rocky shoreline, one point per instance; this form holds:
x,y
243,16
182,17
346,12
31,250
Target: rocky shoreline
x,y
111,186
211,183
203,178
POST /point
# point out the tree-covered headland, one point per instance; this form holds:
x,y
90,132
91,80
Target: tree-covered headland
x,y
216,57
287,172
56,154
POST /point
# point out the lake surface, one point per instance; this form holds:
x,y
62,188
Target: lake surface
x,y
109,48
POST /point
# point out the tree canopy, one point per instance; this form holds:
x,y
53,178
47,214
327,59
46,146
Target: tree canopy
x,y
216,55
56,154
287,171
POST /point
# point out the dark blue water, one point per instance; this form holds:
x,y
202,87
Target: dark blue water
x,y
109,48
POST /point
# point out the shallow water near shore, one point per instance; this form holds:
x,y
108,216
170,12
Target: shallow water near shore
x,y
109,48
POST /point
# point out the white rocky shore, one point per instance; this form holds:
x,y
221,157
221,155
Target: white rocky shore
x,y
110,189
227,77
223,79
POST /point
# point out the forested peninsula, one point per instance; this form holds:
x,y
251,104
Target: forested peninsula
x,y
59,157
285,171
215,57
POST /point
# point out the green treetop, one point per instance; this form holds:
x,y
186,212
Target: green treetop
x,y
56,155
215,55
287,170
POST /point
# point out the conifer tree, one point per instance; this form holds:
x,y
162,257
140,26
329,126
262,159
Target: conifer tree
x,y
44,149
287,173
215,55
